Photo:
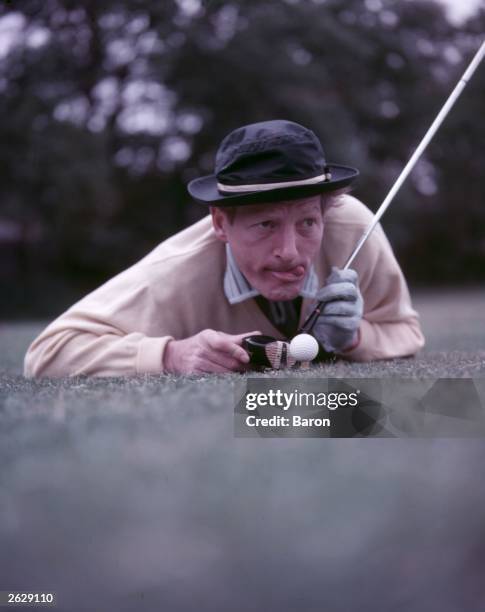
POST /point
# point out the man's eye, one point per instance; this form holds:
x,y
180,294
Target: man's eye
x,y
309,222
266,224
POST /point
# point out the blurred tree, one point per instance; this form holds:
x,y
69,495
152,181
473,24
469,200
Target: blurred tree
x,y
108,109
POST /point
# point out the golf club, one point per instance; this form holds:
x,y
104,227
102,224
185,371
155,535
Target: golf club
x,y
311,319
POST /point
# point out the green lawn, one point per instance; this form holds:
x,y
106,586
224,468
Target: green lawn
x,y
134,494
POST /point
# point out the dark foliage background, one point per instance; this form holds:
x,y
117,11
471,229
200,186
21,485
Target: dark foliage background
x,y
108,109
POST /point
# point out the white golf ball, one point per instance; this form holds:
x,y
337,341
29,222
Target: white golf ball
x,y
304,347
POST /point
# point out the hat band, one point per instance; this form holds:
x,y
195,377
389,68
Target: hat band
x,y
268,186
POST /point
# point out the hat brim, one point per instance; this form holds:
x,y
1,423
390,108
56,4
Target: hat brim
x,y
204,189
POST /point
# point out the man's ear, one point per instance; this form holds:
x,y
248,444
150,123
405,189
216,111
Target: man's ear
x,y
219,222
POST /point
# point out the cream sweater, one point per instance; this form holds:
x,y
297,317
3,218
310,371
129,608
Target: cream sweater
x,y
176,291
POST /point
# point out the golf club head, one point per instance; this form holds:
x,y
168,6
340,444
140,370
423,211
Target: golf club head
x,y
268,352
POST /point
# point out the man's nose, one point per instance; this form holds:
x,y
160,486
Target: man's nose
x,y
286,247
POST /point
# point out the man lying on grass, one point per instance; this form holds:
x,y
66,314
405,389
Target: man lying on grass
x,y
281,226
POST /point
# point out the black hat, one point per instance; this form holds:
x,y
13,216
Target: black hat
x,y
267,162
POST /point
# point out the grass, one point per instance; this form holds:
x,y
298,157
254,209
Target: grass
x,y
133,494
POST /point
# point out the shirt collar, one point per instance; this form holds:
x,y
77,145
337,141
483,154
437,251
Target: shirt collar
x,y
237,288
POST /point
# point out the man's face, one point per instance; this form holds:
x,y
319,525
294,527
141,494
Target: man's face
x,y
274,245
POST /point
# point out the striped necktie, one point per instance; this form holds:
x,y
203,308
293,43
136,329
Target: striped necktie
x,y
283,315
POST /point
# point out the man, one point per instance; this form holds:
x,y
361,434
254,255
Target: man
x,y
279,231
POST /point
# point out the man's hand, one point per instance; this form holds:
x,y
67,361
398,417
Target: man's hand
x,y
207,351
337,326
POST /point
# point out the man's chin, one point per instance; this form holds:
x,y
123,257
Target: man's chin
x,y
281,294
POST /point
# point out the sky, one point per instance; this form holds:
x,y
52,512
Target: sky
x,y
461,9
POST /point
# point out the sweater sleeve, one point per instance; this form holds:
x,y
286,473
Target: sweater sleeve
x,y
390,326
107,333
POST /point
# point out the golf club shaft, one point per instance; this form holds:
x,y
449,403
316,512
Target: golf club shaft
x,y
310,321
420,149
